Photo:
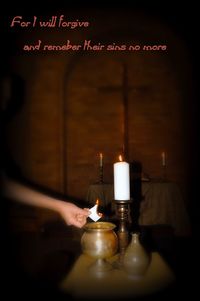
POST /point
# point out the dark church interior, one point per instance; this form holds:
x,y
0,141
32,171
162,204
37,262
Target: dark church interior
x,y
61,108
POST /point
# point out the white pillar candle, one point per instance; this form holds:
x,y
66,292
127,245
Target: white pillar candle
x,y
121,181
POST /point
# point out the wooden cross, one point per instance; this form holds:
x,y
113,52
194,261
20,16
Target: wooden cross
x,y
124,88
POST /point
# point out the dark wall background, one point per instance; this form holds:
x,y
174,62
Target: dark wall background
x,y
66,118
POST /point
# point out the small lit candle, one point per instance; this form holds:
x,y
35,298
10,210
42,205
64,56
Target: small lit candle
x,y
121,180
101,159
163,159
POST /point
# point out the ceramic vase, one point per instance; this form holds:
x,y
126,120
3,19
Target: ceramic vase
x,y
136,259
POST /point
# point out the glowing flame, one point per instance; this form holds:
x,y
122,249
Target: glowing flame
x,y
97,203
120,158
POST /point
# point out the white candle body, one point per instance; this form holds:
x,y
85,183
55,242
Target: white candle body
x,y
121,181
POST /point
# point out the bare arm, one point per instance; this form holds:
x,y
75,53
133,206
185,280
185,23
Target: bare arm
x,y
72,214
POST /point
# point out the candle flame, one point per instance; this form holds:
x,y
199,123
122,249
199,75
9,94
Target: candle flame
x,y
120,158
97,203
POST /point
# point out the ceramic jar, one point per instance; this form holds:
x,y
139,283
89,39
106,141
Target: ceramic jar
x,y
136,259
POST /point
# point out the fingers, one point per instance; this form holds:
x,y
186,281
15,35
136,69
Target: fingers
x,y
80,221
84,212
87,210
75,216
77,222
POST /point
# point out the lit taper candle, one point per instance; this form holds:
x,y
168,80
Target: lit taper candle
x,y
163,155
101,159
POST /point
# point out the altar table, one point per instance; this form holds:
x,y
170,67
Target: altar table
x,y
80,283
162,204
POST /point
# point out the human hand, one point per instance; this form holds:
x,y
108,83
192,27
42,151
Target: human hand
x,y
73,215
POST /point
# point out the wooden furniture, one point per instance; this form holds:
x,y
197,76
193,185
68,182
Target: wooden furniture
x,y
162,204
